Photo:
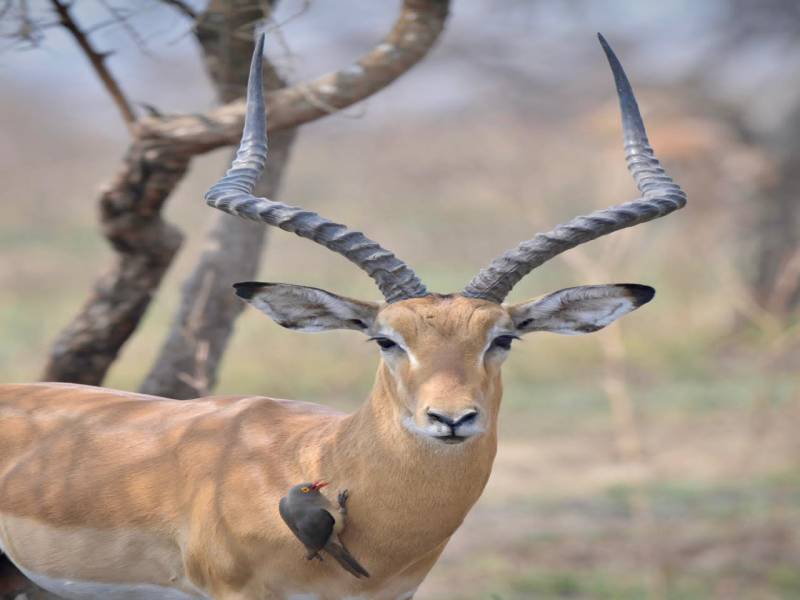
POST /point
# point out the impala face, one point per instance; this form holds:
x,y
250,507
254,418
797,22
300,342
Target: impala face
x,y
441,354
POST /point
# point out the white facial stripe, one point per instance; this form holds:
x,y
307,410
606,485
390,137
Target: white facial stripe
x,y
494,333
388,332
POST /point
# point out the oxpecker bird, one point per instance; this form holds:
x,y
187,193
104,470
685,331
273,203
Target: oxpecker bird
x,y
311,517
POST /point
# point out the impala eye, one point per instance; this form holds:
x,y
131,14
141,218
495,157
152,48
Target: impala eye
x,y
384,343
503,342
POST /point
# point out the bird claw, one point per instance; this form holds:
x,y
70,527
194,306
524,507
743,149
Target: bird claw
x,y
343,496
316,555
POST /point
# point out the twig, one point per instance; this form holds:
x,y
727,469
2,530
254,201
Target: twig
x,y
27,31
182,7
97,61
5,8
275,29
122,20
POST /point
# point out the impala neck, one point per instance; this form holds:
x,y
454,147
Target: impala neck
x,y
424,484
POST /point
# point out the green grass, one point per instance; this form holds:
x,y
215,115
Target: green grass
x,y
587,585
574,585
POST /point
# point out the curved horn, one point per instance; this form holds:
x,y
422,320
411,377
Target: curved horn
x,y
233,194
660,196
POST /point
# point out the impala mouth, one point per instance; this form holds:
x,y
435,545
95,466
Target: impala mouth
x,y
451,439
443,434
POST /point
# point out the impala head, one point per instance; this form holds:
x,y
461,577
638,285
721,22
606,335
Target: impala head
x,y
441,354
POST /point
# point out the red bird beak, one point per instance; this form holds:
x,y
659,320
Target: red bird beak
x,y
319,484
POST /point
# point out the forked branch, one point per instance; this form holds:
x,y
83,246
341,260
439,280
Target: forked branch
x,y
157,161
415,31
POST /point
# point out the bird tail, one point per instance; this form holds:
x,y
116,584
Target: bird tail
x,y
344,558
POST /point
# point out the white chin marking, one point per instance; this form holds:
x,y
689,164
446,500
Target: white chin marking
x,y
87,590
437,431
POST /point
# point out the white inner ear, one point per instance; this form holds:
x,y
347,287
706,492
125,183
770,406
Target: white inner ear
x,y
575,311
313,310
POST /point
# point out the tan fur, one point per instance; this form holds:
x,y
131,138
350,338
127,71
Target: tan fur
x,y
201,480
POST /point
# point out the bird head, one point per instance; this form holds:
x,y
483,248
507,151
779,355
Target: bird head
x,y
307,489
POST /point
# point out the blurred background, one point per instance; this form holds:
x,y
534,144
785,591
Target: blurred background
x,y
655,459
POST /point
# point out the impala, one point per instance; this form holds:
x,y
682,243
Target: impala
x,y
108,494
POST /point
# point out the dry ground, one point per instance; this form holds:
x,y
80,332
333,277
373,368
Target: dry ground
x,y
713,513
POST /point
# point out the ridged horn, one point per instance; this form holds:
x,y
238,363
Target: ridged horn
x,y
660,196
233,194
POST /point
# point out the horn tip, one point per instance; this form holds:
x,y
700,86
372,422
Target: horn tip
x,y
612,57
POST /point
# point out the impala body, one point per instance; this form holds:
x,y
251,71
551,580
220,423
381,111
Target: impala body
x,y
115,495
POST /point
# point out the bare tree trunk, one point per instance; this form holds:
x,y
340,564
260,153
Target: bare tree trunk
x,y
145,245
188,362
777,276
187,365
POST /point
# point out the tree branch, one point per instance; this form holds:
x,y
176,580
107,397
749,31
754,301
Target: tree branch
x,y
97,60
416,30
187,10
157,161
145,245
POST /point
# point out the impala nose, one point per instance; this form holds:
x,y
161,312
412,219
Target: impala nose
x,y
452,428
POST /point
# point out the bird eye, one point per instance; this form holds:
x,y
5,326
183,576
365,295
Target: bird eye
x,y
384,343
305,490
503,342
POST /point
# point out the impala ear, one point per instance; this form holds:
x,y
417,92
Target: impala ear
x,y
577,310
307,309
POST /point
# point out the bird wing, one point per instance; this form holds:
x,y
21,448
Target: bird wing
x,y
311,525
287,515
314,528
